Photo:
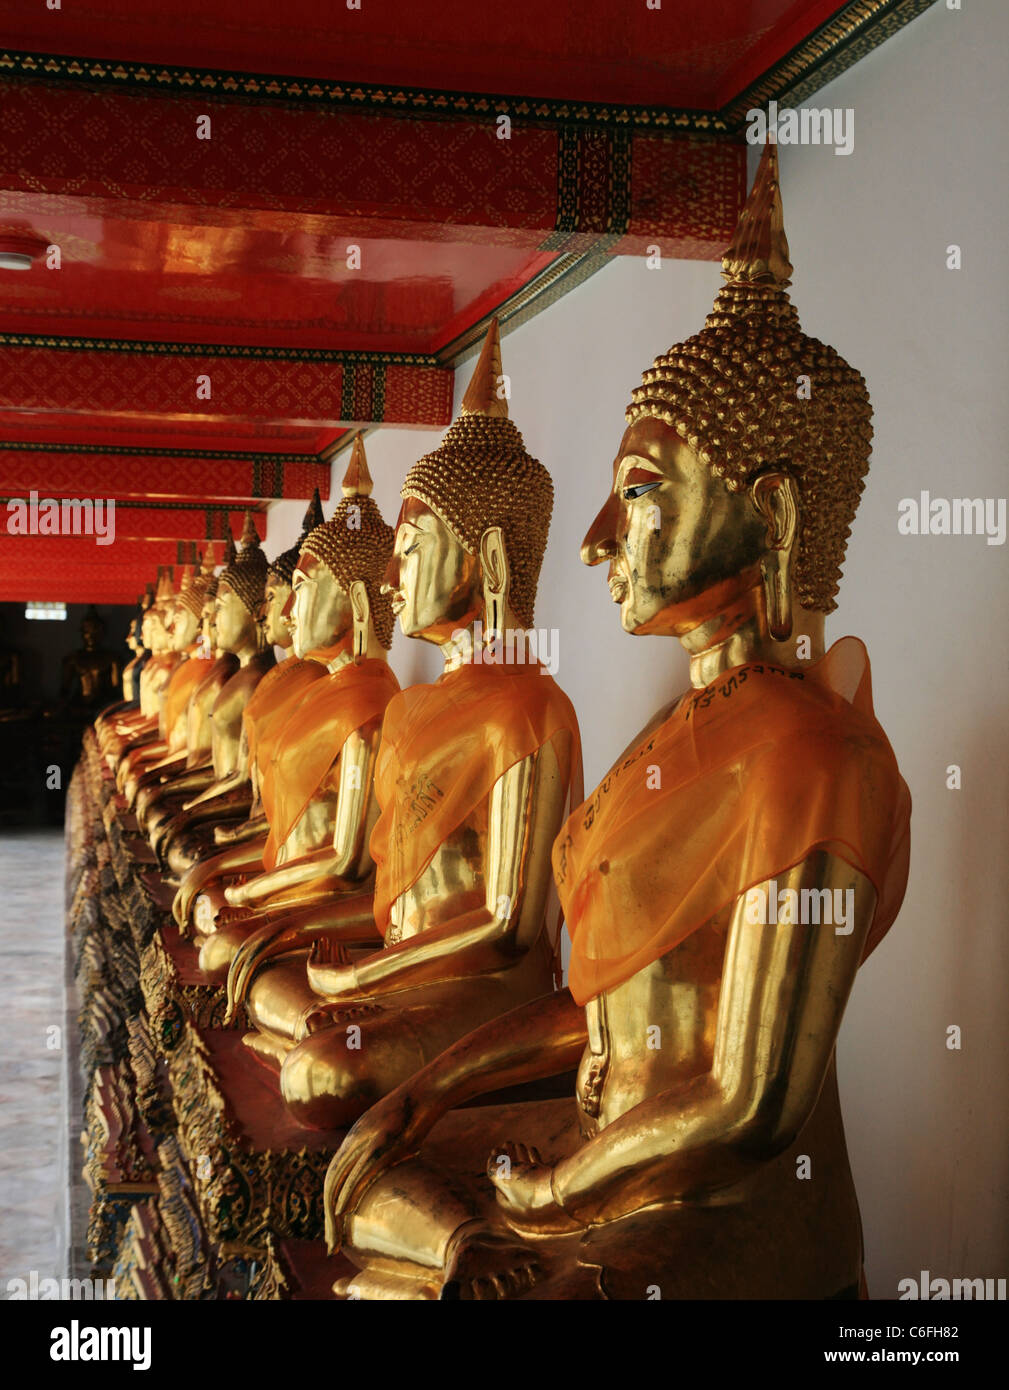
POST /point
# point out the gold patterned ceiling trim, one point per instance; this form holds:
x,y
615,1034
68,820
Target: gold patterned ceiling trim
x,y
31,446
836,46
860,27
275,354
558,279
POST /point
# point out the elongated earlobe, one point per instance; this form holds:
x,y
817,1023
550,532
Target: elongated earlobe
x,y
494,566
774,496
361,609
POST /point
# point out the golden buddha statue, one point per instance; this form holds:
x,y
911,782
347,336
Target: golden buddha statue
x,y
319,753
151,766
188,701
473,780
134,728
277,693
131,671
91,675
187,834
11,678
721,886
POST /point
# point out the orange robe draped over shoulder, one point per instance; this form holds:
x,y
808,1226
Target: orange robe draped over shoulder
x,y
271,703
443,748
744,780
311,739
181,685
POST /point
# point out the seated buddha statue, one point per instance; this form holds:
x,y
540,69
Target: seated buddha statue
x,y
135,728
181,834
277,693
318,773
11,678
473,781
91,675
742,856
131,671
151,766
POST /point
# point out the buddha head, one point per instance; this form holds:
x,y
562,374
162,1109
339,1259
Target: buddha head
x,y
240,588
336,599
187,619
473,527
742,465
208,620
157,617
279,578
92,630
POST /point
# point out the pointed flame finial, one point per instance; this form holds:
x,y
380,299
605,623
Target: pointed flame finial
x,y
313,515
250,536
357,480
209,559
229,546
758,253
483,396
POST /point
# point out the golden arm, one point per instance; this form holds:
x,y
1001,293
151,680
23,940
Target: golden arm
x,y
783,993
541,1038
517,876
348,856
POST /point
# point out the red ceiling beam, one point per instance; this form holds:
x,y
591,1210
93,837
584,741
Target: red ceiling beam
x,y
245,385
45,581
385,173
59,589
67,553
56,472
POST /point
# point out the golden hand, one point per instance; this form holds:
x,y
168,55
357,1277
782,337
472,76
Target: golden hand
x,y
524,1191
271,939
385,1135
333,978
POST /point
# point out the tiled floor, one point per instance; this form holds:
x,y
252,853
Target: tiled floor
x,y
33,1108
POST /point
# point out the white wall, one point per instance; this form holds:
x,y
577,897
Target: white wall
x,y
927,1127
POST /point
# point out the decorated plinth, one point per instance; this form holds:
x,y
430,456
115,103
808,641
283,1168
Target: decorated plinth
x,y
201,1186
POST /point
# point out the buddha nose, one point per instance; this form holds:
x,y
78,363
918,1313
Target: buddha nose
x,y
600,541
390,580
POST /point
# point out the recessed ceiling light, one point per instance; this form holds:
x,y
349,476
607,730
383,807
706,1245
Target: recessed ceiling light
x,y
14,260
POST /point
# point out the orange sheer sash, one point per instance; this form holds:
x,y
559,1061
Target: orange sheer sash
x,y
271,703
311,739
743,781
443,748
181,684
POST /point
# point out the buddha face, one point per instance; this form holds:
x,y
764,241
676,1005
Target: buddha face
x,y
679,544
276,627
184,627
208,625
318,610
91,633
232,620
155,632
434,581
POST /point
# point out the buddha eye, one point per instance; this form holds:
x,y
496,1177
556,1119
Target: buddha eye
x,y
411,548
639,490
